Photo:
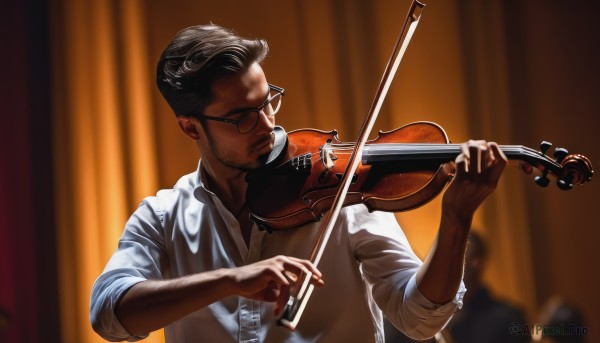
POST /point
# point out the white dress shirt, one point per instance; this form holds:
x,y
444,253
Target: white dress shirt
x,y
368,267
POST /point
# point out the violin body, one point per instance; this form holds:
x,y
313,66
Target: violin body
x,y
400,170
289,196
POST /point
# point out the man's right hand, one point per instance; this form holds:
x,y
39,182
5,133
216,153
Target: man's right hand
x,y
271,280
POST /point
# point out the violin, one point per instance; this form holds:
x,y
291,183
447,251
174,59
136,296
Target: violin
x,y
399,170
311,174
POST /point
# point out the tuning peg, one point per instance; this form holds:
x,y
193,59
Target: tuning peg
x,y
560,154
565,183
542,180
544,146
565,186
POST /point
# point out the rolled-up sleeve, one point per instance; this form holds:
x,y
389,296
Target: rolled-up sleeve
x,y
106,294
420,318
389,266
140,256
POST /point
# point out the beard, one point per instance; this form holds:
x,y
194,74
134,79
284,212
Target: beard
x,y
228,158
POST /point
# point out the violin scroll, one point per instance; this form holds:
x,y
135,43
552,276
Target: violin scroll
x,y
577,169
569,169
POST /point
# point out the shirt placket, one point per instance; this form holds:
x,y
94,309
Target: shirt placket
x,y
250,310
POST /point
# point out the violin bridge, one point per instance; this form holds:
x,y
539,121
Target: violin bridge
x,y
328,158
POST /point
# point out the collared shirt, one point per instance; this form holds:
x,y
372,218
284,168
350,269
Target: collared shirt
x,y
368,267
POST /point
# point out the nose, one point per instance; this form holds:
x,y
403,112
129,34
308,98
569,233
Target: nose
x,y
266,123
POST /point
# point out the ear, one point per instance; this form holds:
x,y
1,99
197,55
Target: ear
x,y
190,126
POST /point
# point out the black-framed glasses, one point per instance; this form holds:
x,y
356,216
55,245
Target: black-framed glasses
x,y
247,119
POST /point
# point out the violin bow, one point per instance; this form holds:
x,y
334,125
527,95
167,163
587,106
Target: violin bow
x,y
303,290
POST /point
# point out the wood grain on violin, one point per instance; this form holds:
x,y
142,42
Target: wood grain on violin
x,y
399,170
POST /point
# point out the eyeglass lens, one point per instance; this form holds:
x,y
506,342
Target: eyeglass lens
x,y
249,120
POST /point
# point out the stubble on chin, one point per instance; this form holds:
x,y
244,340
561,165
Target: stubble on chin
x,y
229,159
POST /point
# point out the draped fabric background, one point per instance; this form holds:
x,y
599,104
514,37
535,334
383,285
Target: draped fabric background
x,y
106,160
28,287
89,136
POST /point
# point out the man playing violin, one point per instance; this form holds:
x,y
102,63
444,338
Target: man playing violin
x,y
191,260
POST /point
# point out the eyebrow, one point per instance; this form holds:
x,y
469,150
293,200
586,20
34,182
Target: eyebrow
x,y
241,110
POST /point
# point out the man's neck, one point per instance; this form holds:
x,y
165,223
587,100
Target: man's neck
x,y
228,184
231,189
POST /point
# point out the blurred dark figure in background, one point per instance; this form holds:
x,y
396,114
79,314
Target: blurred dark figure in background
x,y
3,323
482,317
561,322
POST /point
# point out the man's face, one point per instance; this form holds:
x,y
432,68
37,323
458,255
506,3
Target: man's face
x,y
231,95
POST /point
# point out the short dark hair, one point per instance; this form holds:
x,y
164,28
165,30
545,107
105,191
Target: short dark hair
x,y
196,57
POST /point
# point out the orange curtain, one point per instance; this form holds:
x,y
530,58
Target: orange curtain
x,y
105,155
116,140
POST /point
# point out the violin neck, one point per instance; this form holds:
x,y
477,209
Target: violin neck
x,y
441,153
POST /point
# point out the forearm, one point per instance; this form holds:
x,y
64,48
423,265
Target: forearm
x,y
153,304
150,305
438,279
478,169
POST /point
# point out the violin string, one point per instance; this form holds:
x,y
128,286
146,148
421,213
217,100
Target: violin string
x,y
408,149
422,147
411,148
345,149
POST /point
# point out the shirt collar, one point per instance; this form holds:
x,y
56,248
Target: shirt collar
x,y
200,189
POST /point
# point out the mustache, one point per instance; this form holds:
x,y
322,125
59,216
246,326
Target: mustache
x,y
269,137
